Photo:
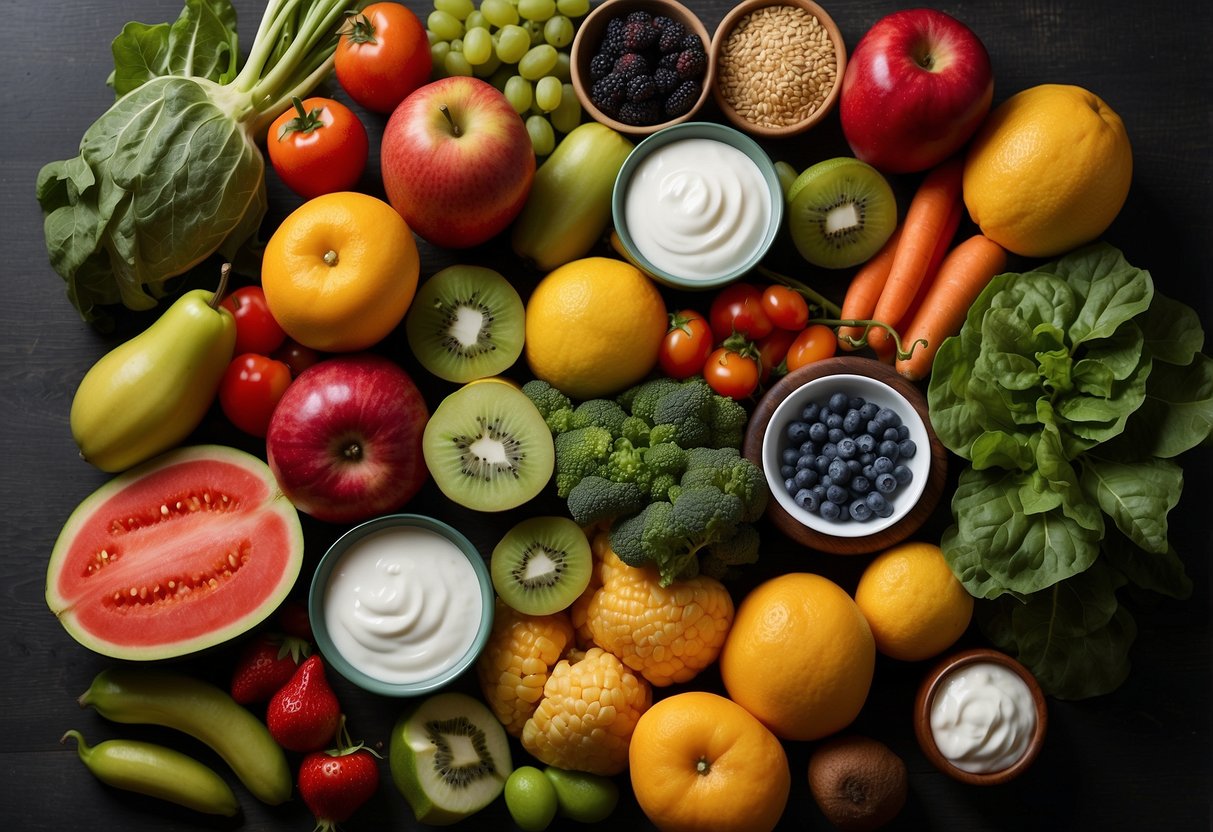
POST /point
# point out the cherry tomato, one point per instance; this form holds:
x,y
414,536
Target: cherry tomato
x,y
383,55
686,345
250,389
812,344
256,329
738,308
771,352
785,307
731,373
295,356
319,147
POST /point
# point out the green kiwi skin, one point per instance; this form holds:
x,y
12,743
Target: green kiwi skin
x,y
826,184
561,541
477,291
492,416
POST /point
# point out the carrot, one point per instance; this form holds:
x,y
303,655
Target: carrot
x,y
966,270
864,290
925,222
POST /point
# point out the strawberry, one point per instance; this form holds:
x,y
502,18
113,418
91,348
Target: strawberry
x,y
335,783
266,664
304,713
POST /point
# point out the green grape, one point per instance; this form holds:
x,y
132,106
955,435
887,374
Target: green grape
x,y
438,52
456,63
558,31
564,67
568,115
477,46
499,12
548,92
512,43
534,30
543,138
444,24
432,38
538,10
573,8
519,92
476,20
458,9
488,68
537,62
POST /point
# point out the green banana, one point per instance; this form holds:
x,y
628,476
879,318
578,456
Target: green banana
x,y
570,201
148,394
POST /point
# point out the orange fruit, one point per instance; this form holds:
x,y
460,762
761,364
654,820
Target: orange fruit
x,y
593,327
800,656
700,761
913,603
1048,171
340,272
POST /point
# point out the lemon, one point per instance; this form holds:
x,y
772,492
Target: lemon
x,y
913,603
1048,171
593,327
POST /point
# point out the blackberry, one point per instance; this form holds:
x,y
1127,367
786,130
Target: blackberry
x,y
691,64
672,33
631,64
640,113
601,65
612,39
641,17
641,88
638,36
691,41
682,99
667,80
669,61
609,92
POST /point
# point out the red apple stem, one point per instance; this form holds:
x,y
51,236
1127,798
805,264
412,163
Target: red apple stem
x,y
450,120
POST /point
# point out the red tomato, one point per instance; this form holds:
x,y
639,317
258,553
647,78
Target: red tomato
x,y
731,373
250,390
256,329
738,308
686,345
295,356
785,307
812,344
772,350
319,147
383,55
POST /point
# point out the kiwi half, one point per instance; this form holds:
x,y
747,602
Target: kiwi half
x,y
541,565
449,757
859,783
488,448
465,323
840,212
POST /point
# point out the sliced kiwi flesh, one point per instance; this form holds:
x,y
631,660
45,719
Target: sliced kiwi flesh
x,y
449,757
465,323
541,565
840,212
487,447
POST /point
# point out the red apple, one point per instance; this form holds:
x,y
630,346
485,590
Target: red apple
x,y
457,162
345,439
915,89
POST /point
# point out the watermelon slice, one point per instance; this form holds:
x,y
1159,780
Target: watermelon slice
x,y
179,554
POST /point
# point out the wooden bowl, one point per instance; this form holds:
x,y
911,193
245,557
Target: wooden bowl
x,y
720,61
934,683
850,537
589,35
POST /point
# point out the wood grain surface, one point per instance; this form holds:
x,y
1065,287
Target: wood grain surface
x,y
1136,759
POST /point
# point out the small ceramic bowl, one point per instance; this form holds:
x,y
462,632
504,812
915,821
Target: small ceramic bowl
x,y
741,96
357,573
589,36
719,188
875,382
935,684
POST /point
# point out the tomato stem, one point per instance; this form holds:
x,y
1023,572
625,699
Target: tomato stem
x,y
812,295
868,325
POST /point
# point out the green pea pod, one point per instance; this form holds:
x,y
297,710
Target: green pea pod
x,y
156,771
146,695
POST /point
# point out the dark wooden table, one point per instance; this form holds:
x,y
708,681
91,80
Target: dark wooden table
x,y
1136,759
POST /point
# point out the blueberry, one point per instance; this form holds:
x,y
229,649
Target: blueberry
x,y
847,449
789,485
886,483
805,478
834,420
797,432
805,461
888,448
856,402
830,511
867,459
855,465
809,414
839,402
866,443
821,464
823,414
788,456
787,471
868,471
852,423
903,474
907,448
879,505
903,431
836,435
808,448
818,432
807,500
861,485
888,417
890,435
837,494
868,411
820,491
882,465
829,450
860,511
826,480
873,427
839,472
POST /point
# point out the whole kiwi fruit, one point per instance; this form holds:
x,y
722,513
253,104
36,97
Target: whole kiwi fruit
x,y
859,783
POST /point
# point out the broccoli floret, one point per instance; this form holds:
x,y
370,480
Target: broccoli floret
x,y
688,408
724,555
625,463
727,470
555,407
726,422
597,500
627,535
636,431
666,458
642,399
659,488
603,413
580,453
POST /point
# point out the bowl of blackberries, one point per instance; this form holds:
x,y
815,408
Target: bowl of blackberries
x,y
849,454
640,65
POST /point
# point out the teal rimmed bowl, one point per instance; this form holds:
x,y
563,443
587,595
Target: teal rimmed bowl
x,y
372,605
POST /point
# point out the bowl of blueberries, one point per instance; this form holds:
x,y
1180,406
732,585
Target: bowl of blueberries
x,y
849,454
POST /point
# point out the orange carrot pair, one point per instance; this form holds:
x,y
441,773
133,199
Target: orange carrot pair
x,y
864,290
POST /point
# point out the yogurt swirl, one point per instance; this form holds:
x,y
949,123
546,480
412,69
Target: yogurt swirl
x,y
983,717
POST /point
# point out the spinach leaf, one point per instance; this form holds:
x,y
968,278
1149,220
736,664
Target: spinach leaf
x,y
201,43
1136,495
1177,413
1161,572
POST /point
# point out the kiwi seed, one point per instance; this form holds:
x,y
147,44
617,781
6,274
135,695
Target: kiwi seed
x,y
840,212
859,783
541,565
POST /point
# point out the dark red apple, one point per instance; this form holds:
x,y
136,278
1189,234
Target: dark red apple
x,y
457,162
345,439
915,90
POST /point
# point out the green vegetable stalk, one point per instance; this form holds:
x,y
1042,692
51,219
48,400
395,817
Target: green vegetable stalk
x,y
172,173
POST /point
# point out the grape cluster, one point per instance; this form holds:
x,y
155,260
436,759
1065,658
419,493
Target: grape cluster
x,y
845,458
521,47
648,69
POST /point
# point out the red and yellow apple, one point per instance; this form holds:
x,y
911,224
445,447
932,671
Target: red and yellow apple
x,y
457,162
916,87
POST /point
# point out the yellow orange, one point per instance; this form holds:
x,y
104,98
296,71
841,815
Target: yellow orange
x,y
700,761
800,656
